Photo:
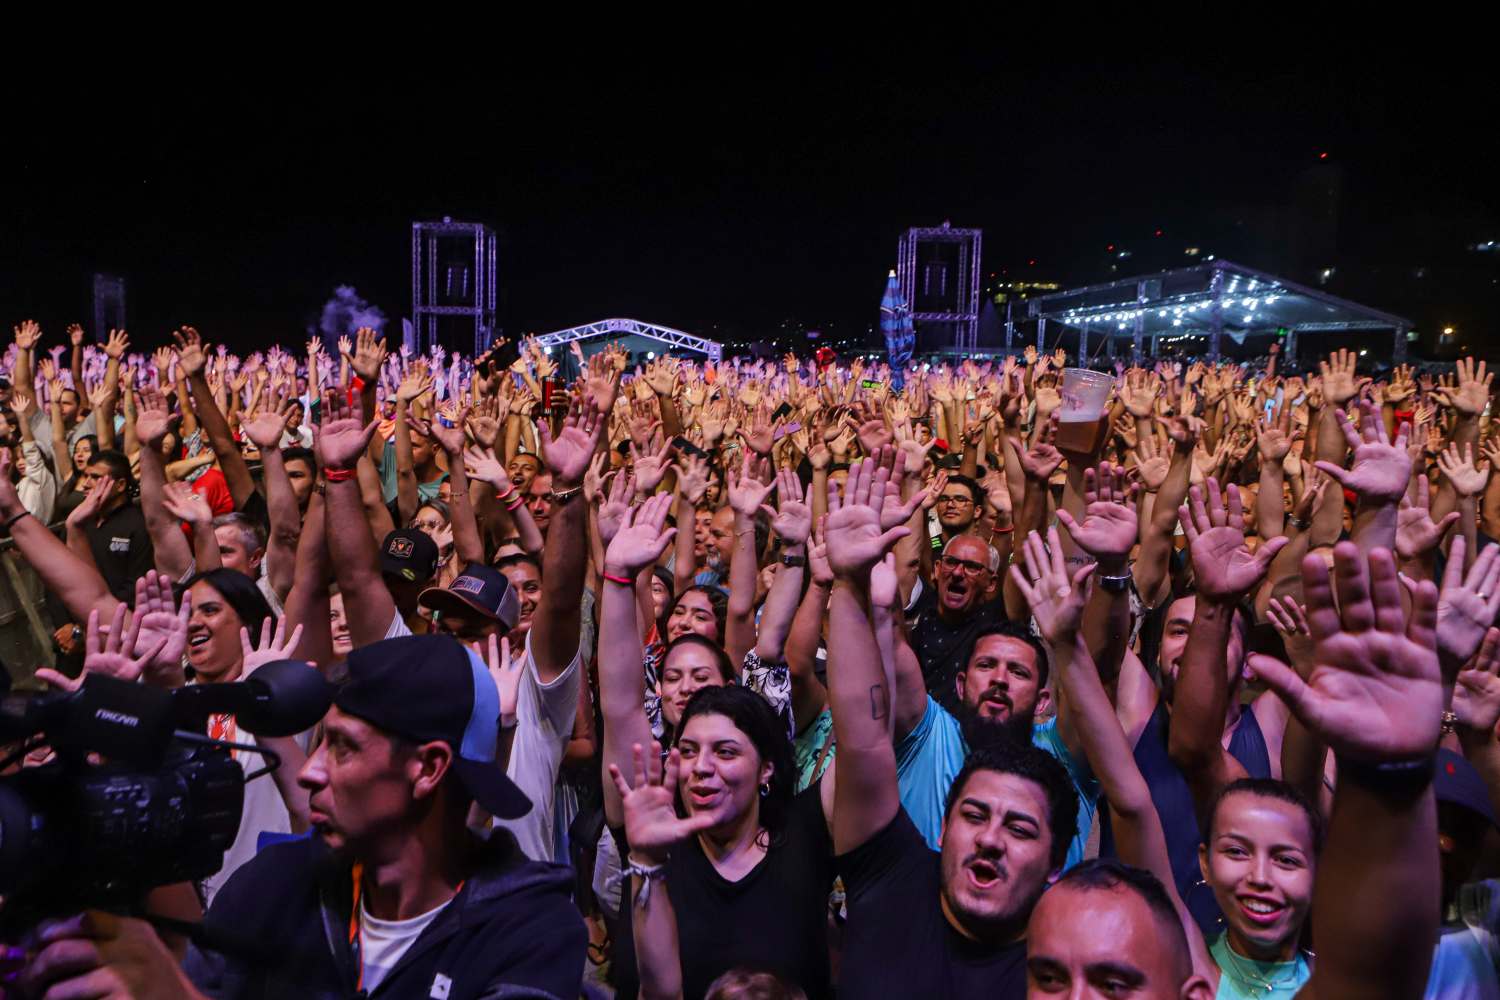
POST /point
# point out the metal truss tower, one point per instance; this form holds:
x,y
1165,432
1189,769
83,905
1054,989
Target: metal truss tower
x,y
938,269
453,285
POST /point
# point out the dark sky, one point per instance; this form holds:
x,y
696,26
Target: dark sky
x,y
736,194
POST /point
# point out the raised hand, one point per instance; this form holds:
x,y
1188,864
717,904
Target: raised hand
x,y
449,438
482,465
1274,437
852,528
1108,529
111,656
1416,533
1374,692
179,500
414,383
272,646
750,485
505,672
192,352
1476,695
1381,468
1056,599
342,439
1151,463
93,503
1463,475
1472,392
568,454
641,538
1139,393
27,334
1224,568
117,344
791,519
650,466
1467,604
614,506
652,825
267,424
692,477
369,354
1042,458
1339,381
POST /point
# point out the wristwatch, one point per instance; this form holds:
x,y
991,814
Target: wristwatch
x,y
1114,584
794,561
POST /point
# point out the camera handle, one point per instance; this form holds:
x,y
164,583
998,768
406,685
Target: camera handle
x,y
271,757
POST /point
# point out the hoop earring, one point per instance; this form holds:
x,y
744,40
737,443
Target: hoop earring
x,y
765,789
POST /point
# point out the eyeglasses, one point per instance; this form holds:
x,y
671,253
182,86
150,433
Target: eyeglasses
x,y
954,564
960,500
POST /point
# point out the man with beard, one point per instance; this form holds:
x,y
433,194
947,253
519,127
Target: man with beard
x,y
920,923
997,693
947,620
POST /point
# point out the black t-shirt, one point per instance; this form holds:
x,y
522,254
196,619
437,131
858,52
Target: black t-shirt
x,y
122,550
897,942
773,919
943,649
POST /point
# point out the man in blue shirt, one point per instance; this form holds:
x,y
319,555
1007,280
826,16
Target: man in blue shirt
x,y
997,690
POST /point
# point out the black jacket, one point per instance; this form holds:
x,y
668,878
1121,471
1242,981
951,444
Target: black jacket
x,y
280,928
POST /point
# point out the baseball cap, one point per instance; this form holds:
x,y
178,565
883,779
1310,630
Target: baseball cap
x,y
430,687
1455,781
478,589
409,554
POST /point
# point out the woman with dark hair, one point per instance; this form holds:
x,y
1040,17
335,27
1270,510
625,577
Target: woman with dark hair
x,y
732,844
699,609
227,610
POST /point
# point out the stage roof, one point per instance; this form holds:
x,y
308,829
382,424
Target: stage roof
x,y
1190,301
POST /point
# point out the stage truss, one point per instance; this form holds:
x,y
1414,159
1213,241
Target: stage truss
x,y
634,327
963,321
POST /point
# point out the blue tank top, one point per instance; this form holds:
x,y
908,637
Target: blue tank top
x,y
1174,804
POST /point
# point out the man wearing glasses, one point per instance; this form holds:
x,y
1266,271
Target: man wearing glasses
x,y
947,619
958,507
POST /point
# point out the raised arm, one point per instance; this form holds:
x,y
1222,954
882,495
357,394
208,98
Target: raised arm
x,y
76,582
792,523
636,544
860,691
1224,571
1375,695
467,543
748,489
265,428
1152,579
1057,602
554,636
193,358
1379,473
351,547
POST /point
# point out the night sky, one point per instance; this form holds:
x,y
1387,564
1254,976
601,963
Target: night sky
x,y
738,196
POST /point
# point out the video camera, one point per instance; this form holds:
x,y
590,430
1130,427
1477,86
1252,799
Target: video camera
x,y
136,795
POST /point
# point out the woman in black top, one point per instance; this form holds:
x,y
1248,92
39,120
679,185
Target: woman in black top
x,y
724,856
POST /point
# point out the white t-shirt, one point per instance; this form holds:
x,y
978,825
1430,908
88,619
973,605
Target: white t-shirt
x,y
264,812
544,724
383,942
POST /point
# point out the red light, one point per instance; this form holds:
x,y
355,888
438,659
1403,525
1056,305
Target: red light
x,y
1322,156
1110,248
1032,262
1158,232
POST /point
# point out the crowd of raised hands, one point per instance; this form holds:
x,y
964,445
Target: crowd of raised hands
x,y
837,542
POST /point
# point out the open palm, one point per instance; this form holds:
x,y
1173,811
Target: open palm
x,y
1224,568
852,529
1374,692
652,825
641,539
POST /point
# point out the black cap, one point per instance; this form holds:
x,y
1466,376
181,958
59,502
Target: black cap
x,y
1455,781
478,589
429,687
409,554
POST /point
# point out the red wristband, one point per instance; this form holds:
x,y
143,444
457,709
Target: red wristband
x,y
623,581
339,475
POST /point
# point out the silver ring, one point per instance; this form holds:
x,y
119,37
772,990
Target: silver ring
x,y
1481,595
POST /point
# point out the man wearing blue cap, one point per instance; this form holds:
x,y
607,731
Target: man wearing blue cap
x,y
394,895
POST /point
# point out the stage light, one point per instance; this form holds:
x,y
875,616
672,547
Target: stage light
x,y
1177,322
1322,156
650,355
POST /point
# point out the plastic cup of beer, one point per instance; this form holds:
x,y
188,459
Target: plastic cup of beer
x,y
1080,418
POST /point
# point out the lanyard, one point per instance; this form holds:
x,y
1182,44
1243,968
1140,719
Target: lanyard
x,y
354,936
221,727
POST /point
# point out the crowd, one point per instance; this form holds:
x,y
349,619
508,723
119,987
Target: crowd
x,y
797,679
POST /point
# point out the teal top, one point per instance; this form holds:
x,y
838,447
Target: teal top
x,y
1242,978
